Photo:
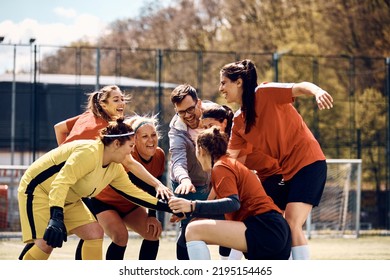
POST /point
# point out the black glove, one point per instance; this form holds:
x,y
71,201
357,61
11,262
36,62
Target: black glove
x,y
55,232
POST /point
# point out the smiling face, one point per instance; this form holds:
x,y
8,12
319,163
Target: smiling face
x,y
114,105
231,90
146,140
209,122
189,111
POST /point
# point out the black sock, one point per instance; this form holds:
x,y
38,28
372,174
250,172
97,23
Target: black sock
x,y
115,252
224,251
149,249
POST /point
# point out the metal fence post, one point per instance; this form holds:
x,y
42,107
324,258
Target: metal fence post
x,y
387,91
97,86
159,65
275,61
34,108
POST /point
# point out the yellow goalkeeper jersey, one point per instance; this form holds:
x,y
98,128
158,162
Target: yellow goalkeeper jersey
x,y
74,170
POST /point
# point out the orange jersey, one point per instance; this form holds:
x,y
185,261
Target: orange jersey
x,y
279,134
155,167
84,126
231,177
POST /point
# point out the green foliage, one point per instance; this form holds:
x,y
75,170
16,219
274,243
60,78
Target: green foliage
x,y
337,44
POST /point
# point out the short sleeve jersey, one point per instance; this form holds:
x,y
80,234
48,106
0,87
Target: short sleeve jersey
x,y
279,134
231,177
84,126
155,167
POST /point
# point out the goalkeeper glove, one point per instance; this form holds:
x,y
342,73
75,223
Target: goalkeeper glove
x,y
55,232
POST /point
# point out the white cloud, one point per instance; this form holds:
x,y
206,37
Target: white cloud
x,y
66,13
82,26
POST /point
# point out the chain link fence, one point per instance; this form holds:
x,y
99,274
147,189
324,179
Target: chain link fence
x,y
41,85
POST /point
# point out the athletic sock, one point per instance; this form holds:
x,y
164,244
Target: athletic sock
x,y
224,252
300,252
149,249
115,252
92,249
35,253
198,250
235,255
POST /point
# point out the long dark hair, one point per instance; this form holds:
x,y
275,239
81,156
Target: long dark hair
x,y
246,70
220,113
116,130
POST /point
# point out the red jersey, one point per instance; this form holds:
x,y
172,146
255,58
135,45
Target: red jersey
x,y
231,177
279,133
155,166
84,126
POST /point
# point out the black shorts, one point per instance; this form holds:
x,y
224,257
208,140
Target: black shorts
x,y
306,186
268,237
276,188
97,206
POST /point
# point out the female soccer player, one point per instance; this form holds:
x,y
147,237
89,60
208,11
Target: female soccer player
x,y
254,225
270,136
103,106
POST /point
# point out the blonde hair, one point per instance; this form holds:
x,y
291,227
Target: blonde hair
x,y
138,121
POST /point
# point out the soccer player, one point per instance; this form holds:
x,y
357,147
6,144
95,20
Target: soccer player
x,y
270,136
103,106
51,189
254,225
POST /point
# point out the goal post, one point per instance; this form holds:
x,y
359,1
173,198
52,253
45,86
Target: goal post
x,y
338,214
10,176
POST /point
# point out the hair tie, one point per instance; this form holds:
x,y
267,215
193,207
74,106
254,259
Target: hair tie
x,y
119,135
141,124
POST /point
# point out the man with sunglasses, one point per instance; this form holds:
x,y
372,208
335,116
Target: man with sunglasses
x,y
187,176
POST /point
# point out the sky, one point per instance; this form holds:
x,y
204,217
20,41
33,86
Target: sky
x,y
58,23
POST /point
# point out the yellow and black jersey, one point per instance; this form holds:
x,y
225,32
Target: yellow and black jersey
x,y
74,170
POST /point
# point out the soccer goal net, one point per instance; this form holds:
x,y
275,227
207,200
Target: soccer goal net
x,y
338,214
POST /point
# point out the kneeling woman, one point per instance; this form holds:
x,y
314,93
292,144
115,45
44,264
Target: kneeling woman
x,y
253,225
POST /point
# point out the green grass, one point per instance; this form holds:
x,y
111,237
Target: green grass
x,y
363,248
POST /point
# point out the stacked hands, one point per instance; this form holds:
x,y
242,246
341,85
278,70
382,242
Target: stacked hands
x,y
179,207
56,232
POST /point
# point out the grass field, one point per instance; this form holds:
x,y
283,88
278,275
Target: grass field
x,y
363,248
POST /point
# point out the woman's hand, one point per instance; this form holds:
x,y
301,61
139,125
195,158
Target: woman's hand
x,y
180,205
163,191
153,226
324,99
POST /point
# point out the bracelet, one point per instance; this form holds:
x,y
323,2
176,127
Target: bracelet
x,y
192,207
